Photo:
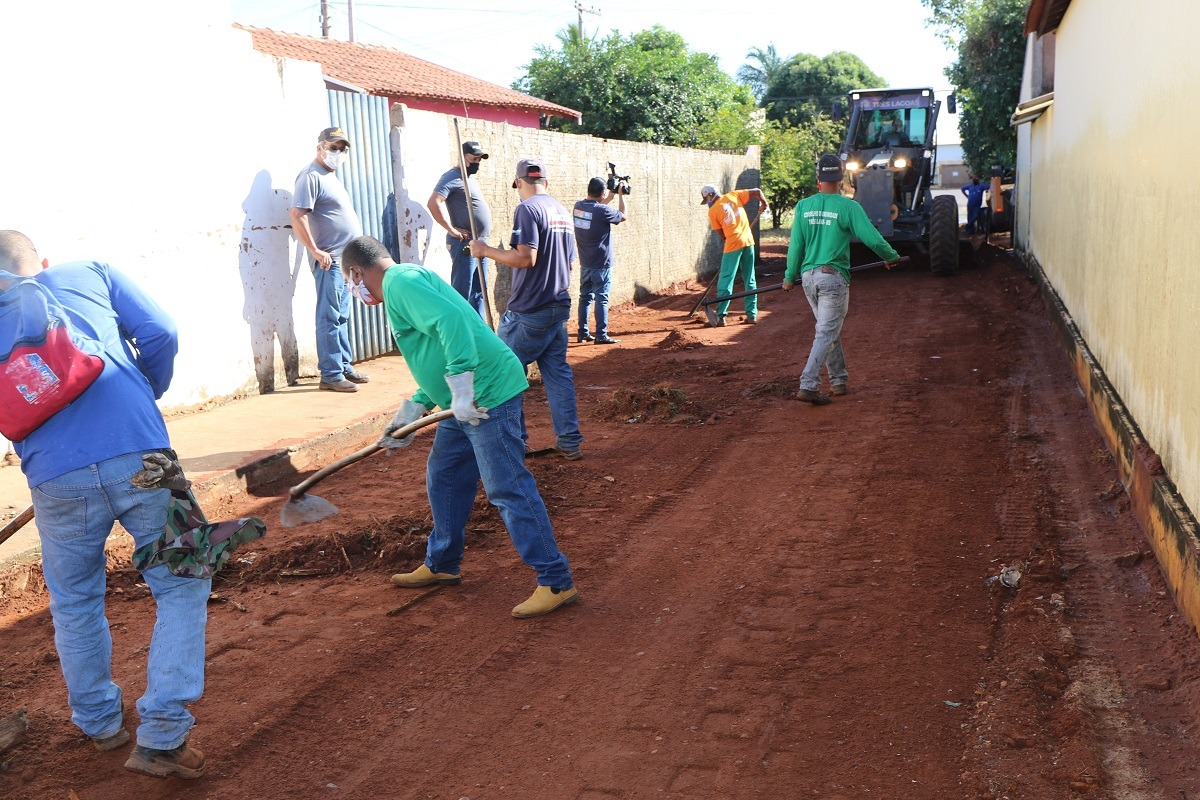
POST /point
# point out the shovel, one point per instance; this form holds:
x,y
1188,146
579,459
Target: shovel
x,y
303,508
711,314
15,524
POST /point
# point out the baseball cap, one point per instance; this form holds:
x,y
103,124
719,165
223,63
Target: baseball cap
x,y
829,169
530,168
335,134
706,190
473,149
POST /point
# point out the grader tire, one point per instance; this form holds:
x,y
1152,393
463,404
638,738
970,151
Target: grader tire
x,y
943,235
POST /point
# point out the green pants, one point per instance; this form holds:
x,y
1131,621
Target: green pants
x,y
731,264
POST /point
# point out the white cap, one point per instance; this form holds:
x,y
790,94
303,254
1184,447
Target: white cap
x,y
706,190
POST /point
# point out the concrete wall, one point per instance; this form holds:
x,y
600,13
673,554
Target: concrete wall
x,y
169,151
1106,209
665,239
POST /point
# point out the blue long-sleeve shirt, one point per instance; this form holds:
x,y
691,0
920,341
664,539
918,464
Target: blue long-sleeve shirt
x,y
117,414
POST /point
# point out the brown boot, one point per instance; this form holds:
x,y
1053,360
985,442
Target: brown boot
x,y
112,741
814,397
182,762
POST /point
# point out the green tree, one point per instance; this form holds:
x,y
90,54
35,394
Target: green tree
x,y
789,161
990,40
648,87
805,86
758,78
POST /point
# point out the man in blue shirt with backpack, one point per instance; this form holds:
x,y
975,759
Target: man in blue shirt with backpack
x,y
79,464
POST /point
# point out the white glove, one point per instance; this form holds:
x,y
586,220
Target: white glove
x,y
408,413
462,403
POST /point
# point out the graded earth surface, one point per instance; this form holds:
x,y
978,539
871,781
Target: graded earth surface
x,y
777,600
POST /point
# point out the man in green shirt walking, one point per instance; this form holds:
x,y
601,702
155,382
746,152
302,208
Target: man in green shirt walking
x,y
819,252
458,362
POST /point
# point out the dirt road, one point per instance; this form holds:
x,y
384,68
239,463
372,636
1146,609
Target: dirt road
x,y
778,601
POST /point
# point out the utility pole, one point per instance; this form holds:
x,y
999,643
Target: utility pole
x,y
350,13
579,7
324,19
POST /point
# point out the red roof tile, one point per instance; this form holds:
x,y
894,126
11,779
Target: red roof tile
x,y
382,70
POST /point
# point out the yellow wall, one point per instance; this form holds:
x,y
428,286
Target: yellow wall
x,y
1114,210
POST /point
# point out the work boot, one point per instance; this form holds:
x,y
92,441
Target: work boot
x,y
182,762
749,320
544,600
424,576
356,377
838,389
340,385
720,323
585,337
814,397
106,743
569,455
607,340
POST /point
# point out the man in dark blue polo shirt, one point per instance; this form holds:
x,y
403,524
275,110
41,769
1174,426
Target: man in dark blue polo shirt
x,y
593,236
540,252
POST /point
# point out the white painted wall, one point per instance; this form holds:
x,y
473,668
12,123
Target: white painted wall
x,y
163,148
1111,210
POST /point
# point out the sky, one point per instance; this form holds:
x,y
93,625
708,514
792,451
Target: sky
x,y
494,41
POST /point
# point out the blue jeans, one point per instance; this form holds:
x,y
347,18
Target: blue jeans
x,y
594,284
333,318
829,296
972,216
463,275
541,336
738,261
494,450
75,513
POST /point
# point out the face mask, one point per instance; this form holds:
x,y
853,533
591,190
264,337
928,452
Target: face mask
x,y
334,159
472,168
364,295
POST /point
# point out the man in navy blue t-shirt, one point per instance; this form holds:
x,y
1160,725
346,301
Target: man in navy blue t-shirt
x,y
542,248
593,236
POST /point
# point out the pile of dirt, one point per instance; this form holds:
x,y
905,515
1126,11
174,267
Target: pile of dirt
x,y
653,404
681,340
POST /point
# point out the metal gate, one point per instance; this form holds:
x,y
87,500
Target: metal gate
x,y
367,176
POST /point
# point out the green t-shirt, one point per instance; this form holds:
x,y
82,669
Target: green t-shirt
x,y
439,334
821,231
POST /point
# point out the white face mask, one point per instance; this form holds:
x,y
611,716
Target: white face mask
x,y
334,159
360,290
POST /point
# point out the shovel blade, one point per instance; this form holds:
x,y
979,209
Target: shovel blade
x,y
711,314
305,509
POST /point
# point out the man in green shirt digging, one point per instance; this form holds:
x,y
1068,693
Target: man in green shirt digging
x,y
819,252
460,364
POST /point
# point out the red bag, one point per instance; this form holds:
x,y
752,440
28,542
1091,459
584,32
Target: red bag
x,y
42,370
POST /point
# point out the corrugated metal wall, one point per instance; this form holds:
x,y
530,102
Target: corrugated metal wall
x,y
367,176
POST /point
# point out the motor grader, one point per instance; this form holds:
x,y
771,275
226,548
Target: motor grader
x,y
889,154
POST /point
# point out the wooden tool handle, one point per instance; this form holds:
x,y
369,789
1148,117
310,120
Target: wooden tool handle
x,y
15,524
400,433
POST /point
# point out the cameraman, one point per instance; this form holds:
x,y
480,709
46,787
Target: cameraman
x,y
593,238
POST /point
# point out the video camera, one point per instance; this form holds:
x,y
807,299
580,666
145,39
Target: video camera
x,y
617,183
